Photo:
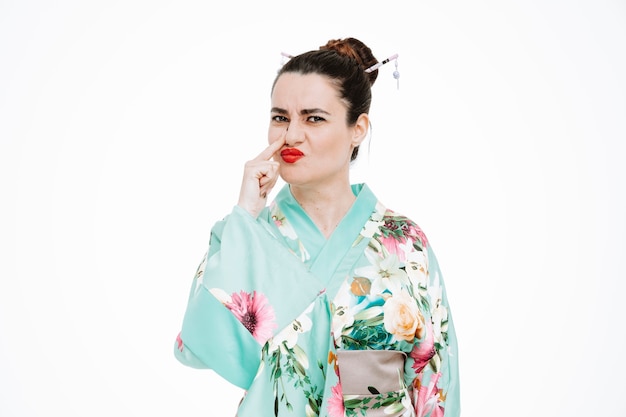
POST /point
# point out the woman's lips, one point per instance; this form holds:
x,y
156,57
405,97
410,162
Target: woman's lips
x,y
291,155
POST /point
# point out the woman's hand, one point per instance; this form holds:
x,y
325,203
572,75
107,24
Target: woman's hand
x,y
259,177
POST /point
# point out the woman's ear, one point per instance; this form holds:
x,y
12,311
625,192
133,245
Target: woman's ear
x,y
360,129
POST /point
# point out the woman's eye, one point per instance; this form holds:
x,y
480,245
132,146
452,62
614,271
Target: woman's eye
x,y
279,118
315,119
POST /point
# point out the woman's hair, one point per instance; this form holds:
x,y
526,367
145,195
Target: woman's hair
x,y
344,62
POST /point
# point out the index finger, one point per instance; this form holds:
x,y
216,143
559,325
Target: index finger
x,y
267,153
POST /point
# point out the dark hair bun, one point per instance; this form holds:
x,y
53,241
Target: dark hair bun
x,y
357,50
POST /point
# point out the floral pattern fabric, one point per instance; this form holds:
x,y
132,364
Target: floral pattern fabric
x,y
274,305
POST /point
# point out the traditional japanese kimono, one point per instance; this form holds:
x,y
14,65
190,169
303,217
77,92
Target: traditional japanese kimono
x,y
354,325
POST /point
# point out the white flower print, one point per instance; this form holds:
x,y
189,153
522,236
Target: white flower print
x,y
343,318
439,313
289,335
221,295
384,273
417,268
372,226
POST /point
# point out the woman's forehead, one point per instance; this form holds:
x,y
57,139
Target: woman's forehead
x,y
295,89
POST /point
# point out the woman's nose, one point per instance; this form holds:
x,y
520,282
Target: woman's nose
x,y
294,134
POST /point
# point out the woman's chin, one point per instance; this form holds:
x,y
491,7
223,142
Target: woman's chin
x,y
290,175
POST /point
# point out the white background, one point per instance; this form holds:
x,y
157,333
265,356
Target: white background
x,y
124,126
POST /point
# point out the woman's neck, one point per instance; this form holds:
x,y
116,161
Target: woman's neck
x,y
325,206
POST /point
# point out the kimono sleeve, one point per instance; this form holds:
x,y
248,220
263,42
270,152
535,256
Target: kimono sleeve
x,y
238,301
211,336
438,393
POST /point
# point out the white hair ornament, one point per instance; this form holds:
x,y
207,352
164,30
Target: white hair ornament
x,y
394,57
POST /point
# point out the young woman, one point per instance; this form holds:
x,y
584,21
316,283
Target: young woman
x,y
324,302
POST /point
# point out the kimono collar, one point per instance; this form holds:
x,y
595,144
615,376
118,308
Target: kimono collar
x,y
343,236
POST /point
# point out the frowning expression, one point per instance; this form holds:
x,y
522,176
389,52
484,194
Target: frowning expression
x,y
307,109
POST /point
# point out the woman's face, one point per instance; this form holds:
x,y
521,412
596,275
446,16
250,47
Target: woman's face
x,y
318,141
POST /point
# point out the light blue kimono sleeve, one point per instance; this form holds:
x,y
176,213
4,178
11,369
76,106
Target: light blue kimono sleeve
x,y
448,353
245,259
211,336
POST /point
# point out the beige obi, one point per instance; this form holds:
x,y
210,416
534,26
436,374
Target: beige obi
x,y
373,381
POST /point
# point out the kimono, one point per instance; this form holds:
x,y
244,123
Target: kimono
x,y
354,325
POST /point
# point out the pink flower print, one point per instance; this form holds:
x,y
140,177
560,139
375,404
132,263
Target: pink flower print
x,y
335,402
399,234
179,342
423,351
255,313
415,230
395,246
429,398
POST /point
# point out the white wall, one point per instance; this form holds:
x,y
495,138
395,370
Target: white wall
x,y
124,126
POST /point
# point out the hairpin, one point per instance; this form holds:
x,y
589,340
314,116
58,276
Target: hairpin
x,y
374,67
284,56
381,63
396,75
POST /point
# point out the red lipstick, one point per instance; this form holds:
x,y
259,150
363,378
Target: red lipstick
x,y
291,155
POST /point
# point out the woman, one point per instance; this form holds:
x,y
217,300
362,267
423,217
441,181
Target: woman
x,y
324,303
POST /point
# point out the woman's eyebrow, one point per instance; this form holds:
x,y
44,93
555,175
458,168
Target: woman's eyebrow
x,y
303,112
311,111
278,110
